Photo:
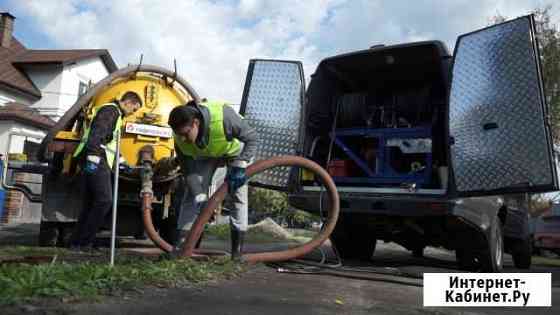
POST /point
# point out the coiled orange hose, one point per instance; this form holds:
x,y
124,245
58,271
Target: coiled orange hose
x,y
255,168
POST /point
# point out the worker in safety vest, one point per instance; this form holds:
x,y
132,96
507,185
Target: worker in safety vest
x,y
96,155
209,135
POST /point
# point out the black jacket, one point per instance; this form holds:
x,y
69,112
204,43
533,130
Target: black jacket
x,y
101,130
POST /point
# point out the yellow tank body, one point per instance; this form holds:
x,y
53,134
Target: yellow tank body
x,y
63,189
158,99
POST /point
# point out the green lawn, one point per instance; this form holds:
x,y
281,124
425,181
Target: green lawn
x,y
88,276
222,232
544,261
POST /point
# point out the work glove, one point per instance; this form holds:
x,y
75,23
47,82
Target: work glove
x,y
92,164
125,167
235,178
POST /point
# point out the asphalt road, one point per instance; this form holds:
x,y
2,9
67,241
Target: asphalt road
x,y
264,290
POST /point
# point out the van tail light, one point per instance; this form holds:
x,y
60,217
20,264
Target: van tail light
x,y
437,206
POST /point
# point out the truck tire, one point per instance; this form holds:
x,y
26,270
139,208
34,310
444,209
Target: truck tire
x,y
353,242
466,260
492,257
522,253
48,234
418,252
65,232
168,229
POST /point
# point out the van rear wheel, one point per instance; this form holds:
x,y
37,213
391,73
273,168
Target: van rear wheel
x,y
418,252
353,242
466,260
492,257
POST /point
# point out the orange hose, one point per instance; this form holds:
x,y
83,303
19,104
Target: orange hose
x,y
149,225
188,249
156,238
257,167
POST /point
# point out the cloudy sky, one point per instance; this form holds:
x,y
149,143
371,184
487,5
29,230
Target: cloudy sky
x,y
214,40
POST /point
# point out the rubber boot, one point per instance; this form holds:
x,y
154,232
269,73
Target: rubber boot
x,y
237,239
181,237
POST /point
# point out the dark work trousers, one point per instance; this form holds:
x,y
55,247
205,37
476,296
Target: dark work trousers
x,y
98,200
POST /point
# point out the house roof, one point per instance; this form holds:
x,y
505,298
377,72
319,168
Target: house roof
x,y
64,57
26,115
16,56
11,76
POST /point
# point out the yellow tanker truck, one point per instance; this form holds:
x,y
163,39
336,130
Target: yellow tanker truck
x,y
145,139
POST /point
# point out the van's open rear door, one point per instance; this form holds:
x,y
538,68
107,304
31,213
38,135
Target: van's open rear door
x,y
499,123
272,103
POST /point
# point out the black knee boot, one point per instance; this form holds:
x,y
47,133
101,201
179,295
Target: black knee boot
x,y
237,239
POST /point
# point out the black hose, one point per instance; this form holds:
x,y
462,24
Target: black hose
x,y
336,273
307,266
293,264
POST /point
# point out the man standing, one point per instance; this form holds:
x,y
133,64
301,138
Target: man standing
x,y
96,154
209,135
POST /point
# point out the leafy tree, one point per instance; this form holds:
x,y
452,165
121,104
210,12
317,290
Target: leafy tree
x,y
539,204
548,38
268,202
274,204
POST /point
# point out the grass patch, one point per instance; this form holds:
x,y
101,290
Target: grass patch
x,y
302,235
222,232
219,231
263,237
7,251
89,280
544,261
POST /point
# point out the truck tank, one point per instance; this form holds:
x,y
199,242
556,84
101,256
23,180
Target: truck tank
x,y
145,138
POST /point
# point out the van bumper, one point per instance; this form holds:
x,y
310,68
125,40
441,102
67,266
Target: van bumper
x,y
475,212
373,204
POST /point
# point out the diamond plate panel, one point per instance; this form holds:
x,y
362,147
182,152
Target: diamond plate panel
x,y
495,80
273,108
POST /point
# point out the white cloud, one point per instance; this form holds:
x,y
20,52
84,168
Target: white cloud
x,y
213,40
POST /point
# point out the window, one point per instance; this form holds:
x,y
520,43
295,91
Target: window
x,y
31,148
19,143
82,88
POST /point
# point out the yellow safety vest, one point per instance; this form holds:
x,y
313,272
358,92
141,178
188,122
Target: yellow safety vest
x,y
111,147
218,145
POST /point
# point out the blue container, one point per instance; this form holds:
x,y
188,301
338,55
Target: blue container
x,y
2,191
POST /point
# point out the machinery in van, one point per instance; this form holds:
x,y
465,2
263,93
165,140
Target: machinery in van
x,y
425,147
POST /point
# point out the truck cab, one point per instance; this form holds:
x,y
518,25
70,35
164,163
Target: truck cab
x,y
423,145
